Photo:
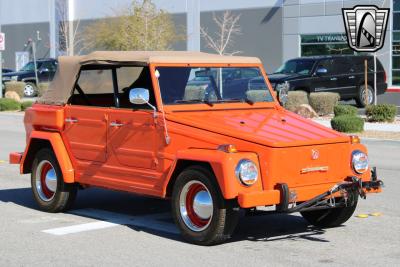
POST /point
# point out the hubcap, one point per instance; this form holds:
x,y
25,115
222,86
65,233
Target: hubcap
x,y
28,90
196,206
46,181
370,96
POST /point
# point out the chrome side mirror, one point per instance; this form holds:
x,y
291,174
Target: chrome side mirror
x,y
283,91
139,96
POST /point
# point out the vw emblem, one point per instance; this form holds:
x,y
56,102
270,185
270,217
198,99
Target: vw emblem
x,y
314,154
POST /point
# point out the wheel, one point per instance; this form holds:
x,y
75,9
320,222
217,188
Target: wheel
x,y
361,98
49,190
333,217
203,216
30,89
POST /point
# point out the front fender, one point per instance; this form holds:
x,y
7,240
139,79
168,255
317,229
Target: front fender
x,y
59,149
223,165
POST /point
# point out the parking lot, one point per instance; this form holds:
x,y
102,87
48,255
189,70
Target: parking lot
x,y
116,228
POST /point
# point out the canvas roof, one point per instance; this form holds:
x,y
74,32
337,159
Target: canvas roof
x,y
68,67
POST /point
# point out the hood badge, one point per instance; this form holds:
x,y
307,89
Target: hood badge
x,y
314,154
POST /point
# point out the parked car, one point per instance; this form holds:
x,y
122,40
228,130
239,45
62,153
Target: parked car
x,y
339,74
123,121
46,68
6,70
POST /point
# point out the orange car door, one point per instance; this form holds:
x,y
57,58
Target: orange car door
x,y
86,132
132,145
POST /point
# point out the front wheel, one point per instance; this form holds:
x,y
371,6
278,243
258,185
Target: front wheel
x,y
49,189
30,89
203,216
332,217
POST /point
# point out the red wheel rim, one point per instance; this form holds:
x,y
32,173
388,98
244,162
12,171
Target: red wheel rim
x,y
193,190
45,181
45,189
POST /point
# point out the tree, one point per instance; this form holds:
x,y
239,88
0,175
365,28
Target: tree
x,y
139,26
227,28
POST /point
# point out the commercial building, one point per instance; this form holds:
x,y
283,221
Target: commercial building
x,y
274,30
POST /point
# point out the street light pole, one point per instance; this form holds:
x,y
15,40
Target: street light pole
x,y
1,71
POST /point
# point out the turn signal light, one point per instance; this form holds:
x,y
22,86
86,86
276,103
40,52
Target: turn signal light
x,y
354,139
228,148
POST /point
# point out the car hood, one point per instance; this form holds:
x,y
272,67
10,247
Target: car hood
x,y
271,127
281,77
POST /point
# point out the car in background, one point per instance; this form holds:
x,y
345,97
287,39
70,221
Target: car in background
x,y
6,70
342,74
46,68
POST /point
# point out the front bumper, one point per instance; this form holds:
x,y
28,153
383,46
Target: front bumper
x,y
282,197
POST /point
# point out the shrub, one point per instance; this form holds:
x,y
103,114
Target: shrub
x,y
296,99
347,124
42,88
345,110
15,86
323,103
26,104
9,104
381,113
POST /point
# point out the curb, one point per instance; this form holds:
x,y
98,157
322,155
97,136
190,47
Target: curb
x,y
393,90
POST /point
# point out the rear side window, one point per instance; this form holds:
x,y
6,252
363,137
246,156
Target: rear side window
x,y
341,66
327,64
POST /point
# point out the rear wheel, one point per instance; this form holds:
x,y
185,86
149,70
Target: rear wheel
x,y
49,189
332,217
30,89
362,98
203,216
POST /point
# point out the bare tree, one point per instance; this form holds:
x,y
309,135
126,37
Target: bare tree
x,y
227,28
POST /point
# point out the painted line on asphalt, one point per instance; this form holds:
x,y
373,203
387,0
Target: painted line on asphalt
x,y
109,219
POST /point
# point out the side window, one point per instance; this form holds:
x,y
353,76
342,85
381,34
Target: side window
x,y
341,66
49,65
250,73
326,64
94,88
134,77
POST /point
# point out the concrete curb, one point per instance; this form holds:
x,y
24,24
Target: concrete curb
x,y
368,126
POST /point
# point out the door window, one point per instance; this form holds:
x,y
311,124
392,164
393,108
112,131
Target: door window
x,y
327,64
341,66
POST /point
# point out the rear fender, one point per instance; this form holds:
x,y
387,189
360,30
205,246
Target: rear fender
x,y
36,141
222,164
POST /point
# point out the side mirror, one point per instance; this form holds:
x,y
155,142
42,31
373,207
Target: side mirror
x,y
321,71
139,96
283,92
44,70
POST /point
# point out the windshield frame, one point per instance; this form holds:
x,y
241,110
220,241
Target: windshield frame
x,y
216,106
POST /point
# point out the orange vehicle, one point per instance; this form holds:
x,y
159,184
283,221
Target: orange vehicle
x,y
202,130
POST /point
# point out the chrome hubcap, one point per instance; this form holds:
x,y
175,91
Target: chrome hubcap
x,y
28,90
46,181
196,206
370,96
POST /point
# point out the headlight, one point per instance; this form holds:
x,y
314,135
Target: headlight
x,y
359,161
247,172
14,78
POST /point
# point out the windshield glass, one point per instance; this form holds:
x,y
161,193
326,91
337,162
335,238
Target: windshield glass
x,y
186,85
31,66
299,66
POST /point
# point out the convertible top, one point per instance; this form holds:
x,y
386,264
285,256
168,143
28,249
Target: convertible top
x,y
68,67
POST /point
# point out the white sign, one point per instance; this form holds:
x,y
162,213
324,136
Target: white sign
x,y
2,41
21,59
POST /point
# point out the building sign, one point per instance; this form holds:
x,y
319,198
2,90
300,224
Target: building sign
x,y
323,38
2,41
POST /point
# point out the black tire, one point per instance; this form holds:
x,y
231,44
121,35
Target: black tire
x,y
57,199
225,213
32,89
360,100
334,217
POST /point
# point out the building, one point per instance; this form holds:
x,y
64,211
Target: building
x,y
274,30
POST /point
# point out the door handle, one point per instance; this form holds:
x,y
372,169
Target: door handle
x,y
334,79
351,77
71,120
116,124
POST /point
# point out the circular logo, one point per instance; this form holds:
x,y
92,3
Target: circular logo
x,y
314,154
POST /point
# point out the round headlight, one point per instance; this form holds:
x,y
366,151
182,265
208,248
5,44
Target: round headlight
x,y
247,172
359,161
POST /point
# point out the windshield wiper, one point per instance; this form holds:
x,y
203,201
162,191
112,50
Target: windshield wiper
x,y
195,101
234,100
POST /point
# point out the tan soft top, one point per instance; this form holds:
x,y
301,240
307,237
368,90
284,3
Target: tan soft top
x,y
68,67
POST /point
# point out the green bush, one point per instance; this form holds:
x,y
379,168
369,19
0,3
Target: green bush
x,y
9,104
26,104
295,99
15,86
345,110
42,88
381,113
323,103
347,124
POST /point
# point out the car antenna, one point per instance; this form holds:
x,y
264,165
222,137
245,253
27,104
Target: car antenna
x,y
167,138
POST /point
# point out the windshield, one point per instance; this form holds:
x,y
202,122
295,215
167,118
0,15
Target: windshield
x,y
185,85
299,66
31,66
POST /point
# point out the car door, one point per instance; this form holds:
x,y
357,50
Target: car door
x,y
346,78
327,81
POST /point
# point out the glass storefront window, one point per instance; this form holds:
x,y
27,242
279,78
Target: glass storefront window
x,y
396,77
324,44
396,44
396,21
396,5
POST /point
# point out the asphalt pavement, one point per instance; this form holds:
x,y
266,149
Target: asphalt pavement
x,y
119,229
